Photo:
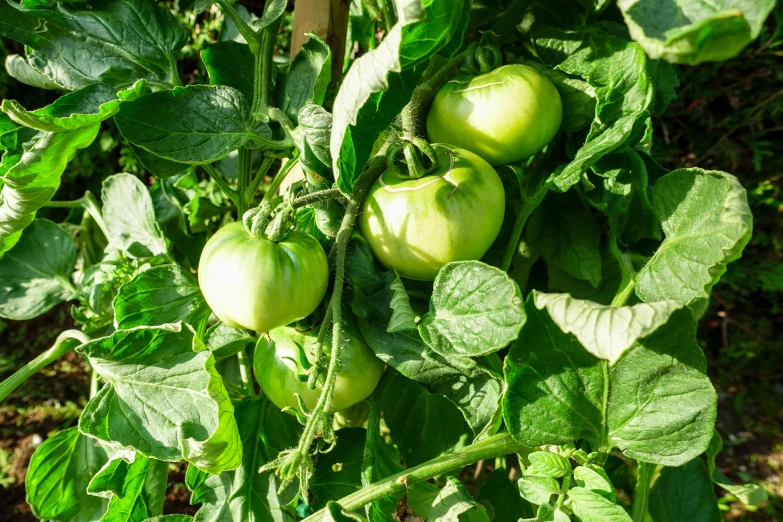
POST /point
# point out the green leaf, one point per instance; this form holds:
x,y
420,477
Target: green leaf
x,y
273,9
58,474
561,282
595,479
619,72
548,513
605,331
312,140
224,341
550,464
231,64
589,506
656,403
98,43
684,494
691,31
422,425
452,502
148,370
135,486
245,494
82,108
537,489
307,79
157,166
171,518
196,124
335,513
163,294
36,273
18,69
748,494
503,497
403,318
567,236
32,176
380,83
339,472
707,222
475,310
175,200
130,217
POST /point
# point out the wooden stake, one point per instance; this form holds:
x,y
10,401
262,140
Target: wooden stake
x,y
329,20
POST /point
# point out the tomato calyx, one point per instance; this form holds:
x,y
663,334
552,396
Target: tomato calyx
x,y
411,158
483,56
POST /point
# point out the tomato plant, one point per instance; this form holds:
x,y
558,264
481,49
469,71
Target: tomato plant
x,y
504,116
278,368
415,226
539,316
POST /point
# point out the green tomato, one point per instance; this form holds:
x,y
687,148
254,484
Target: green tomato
x,y
276,370
258,284
417,226
504,116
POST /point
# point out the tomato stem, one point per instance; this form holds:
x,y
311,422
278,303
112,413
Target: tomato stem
x,y
423,95
250,36
642,493
280,176
262,170
491,447
65,342
627,272
528,206
218,179
244,372
315,197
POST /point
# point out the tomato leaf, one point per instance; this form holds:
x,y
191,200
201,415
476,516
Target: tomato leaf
x,y
230,64
130,217
451,502
692,32
245,494
306,80
163,294
475,310
503,497
195,124
224,341
18,69
133,484
707,223
684,494
98,43
339,471
660,406
589,505
137,366
36,273
58,475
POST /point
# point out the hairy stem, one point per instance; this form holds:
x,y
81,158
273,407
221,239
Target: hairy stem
x,y
424,94
262,84
65,342
628,274
529,205
642,493
489,448
243,178
284,171
245,30
315,197
244,372
262,170
88,203
360,190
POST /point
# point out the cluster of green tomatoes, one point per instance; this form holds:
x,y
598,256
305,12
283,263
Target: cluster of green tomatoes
x,y
413,225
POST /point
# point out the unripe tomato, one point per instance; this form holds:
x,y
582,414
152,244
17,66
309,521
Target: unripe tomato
x,y
417,226
276,371
504,116
258,284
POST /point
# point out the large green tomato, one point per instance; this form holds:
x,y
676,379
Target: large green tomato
x,y
504,116
258,284
417,226
276,371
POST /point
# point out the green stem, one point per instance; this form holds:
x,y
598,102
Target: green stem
x,y
491,447
243,178
279,177
92,206
93,383
244,372
315,197
628,274
373,442
641,496
424,94
262,170
528,207
65,342
262,78
250,36
217,178
360,191
563,490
